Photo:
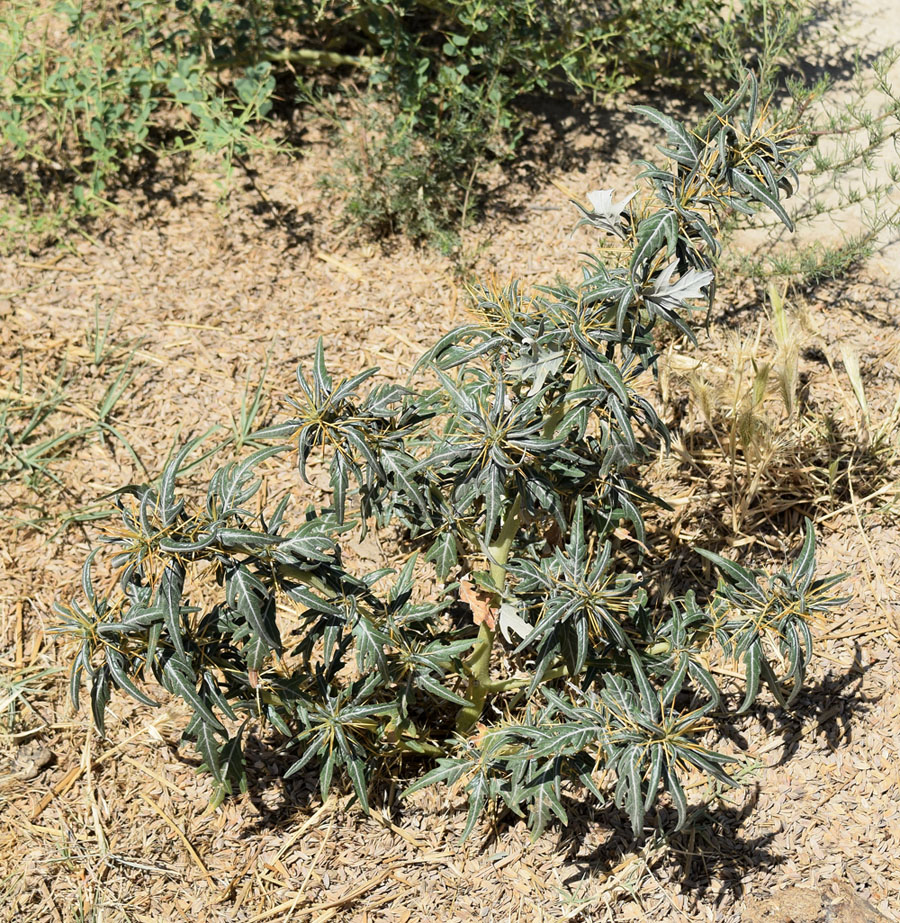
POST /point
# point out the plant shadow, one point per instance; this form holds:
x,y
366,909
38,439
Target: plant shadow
x,y
836,58
830,708
711,852
276,800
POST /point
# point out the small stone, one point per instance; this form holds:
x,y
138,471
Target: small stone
x,y
31,760
838,903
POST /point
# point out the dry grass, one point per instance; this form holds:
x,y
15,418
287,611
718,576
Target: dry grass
x,y
773,418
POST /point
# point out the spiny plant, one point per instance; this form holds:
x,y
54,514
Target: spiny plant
x,y
542,654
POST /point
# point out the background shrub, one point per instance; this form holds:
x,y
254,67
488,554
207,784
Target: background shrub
x,y
92,89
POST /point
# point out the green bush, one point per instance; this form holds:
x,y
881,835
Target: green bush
x,y
448,79
89,89
542,654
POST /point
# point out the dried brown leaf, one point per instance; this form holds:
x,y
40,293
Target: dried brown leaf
x,y
480,603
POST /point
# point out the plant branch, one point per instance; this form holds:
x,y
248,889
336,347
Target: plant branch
x,y
478,666
308,57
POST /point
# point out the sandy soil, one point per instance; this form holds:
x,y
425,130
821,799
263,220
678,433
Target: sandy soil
x,y
116,829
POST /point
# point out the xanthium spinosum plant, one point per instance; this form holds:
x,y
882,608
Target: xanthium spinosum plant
x,y
515,469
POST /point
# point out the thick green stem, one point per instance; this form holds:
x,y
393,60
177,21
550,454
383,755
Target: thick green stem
x,y
479,663
579,379
660,648
478,666
307,577
420,748
500,547
520,682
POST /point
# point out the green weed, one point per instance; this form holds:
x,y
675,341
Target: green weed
x,y
93,93
515,469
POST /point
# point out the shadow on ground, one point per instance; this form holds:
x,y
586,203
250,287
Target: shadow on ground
x,y
711,854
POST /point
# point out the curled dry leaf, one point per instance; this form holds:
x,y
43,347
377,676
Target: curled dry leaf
x,y
480,731
479,602
625,536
